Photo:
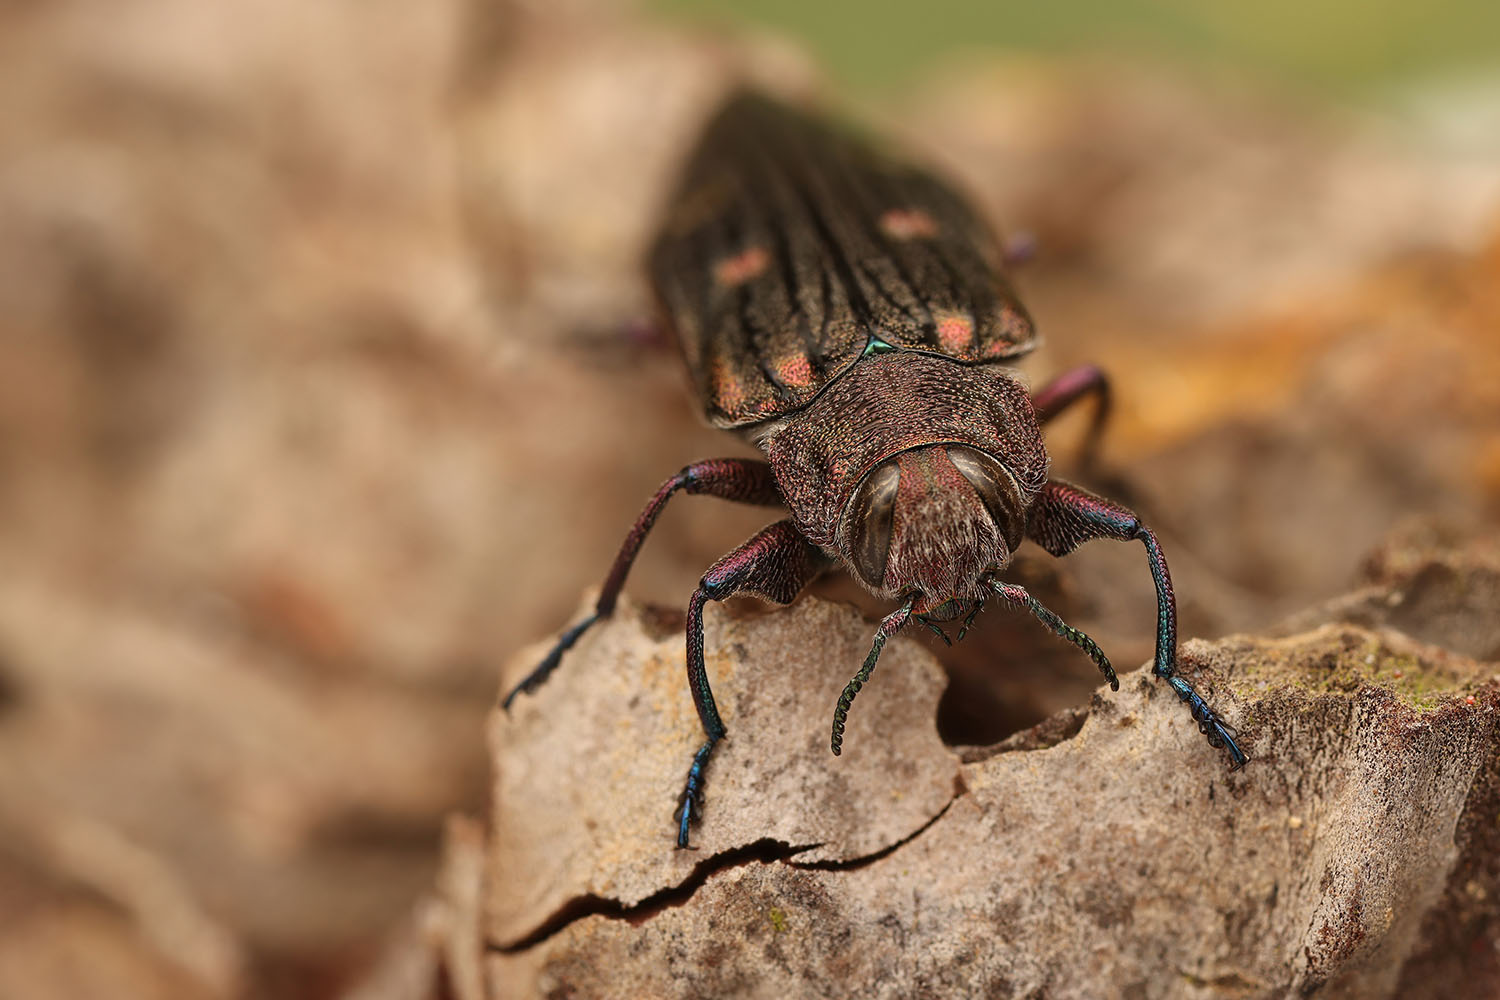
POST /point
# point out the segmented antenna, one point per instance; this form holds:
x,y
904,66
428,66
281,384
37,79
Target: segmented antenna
x,y
889,626
1019,597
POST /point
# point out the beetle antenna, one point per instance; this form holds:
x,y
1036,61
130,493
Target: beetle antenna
x,y
889,626
1017,596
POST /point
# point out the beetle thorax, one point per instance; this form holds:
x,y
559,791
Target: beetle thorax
x,y
953,451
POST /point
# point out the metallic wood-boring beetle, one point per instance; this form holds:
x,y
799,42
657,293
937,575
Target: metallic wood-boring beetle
x,y
851,315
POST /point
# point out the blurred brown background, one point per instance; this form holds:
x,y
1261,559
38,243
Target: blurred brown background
x,y
322,392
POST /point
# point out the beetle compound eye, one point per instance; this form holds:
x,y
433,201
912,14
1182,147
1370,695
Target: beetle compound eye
x,y
870,515
996,487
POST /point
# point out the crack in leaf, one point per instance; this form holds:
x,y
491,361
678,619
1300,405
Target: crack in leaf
x,y
864,860
764,851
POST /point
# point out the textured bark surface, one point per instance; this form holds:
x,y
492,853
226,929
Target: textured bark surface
x,y
629,727
1117,851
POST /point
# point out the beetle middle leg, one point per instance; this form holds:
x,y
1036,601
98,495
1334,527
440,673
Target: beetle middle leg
x,y
775,564
740,479
1067,389
1066,516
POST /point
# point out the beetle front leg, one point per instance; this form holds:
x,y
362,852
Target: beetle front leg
x,y
775,564
739,479
1065,517
1067,389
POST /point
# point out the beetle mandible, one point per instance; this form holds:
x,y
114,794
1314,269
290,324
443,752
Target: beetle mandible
x,y
851,315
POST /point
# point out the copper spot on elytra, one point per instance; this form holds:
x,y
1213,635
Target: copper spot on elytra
x,y
1013,328
908,224
751,262
767,407
795,371
727,388
955,332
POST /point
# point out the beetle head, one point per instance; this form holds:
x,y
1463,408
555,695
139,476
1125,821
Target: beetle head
x,y
934,520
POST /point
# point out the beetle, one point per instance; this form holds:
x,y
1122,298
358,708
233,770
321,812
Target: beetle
x,y
852,316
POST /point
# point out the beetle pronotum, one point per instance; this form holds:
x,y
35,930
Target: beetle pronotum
x,y
851,315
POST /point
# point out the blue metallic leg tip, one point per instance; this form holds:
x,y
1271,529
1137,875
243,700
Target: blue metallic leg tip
x,y
1220,734
692,795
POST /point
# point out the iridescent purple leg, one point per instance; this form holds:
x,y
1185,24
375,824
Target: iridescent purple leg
x,y
739,479
1065,517
1065,390
775,565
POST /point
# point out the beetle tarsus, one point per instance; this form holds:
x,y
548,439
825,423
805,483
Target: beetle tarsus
x,y
1220,734
690,809
535,679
